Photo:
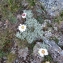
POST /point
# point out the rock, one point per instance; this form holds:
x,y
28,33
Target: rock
x,y
55,28
26,57
24,3
48,21
60,41
53,7
44,24
23,53
12,51
16,61
3,59
61,26
19,17
55,51
37,58
48,34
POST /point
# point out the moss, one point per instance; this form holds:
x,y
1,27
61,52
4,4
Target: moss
x,y
7,46
11,57
57,19
6,40
31,2
55,39
42,7
2,54
10,6
12,18
61,47
48,58
30,46
40,19
49,25
21,43
61,13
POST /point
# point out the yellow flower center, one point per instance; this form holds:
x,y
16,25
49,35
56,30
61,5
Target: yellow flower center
x,y
43,52
22,27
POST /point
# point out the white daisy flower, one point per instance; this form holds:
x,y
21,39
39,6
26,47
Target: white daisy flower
x,y
23,15
22,27
43,52
47,62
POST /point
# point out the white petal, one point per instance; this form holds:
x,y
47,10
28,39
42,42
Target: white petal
x,y
20,24
42,55
20,29
24,16
46,52
40,52
47,62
